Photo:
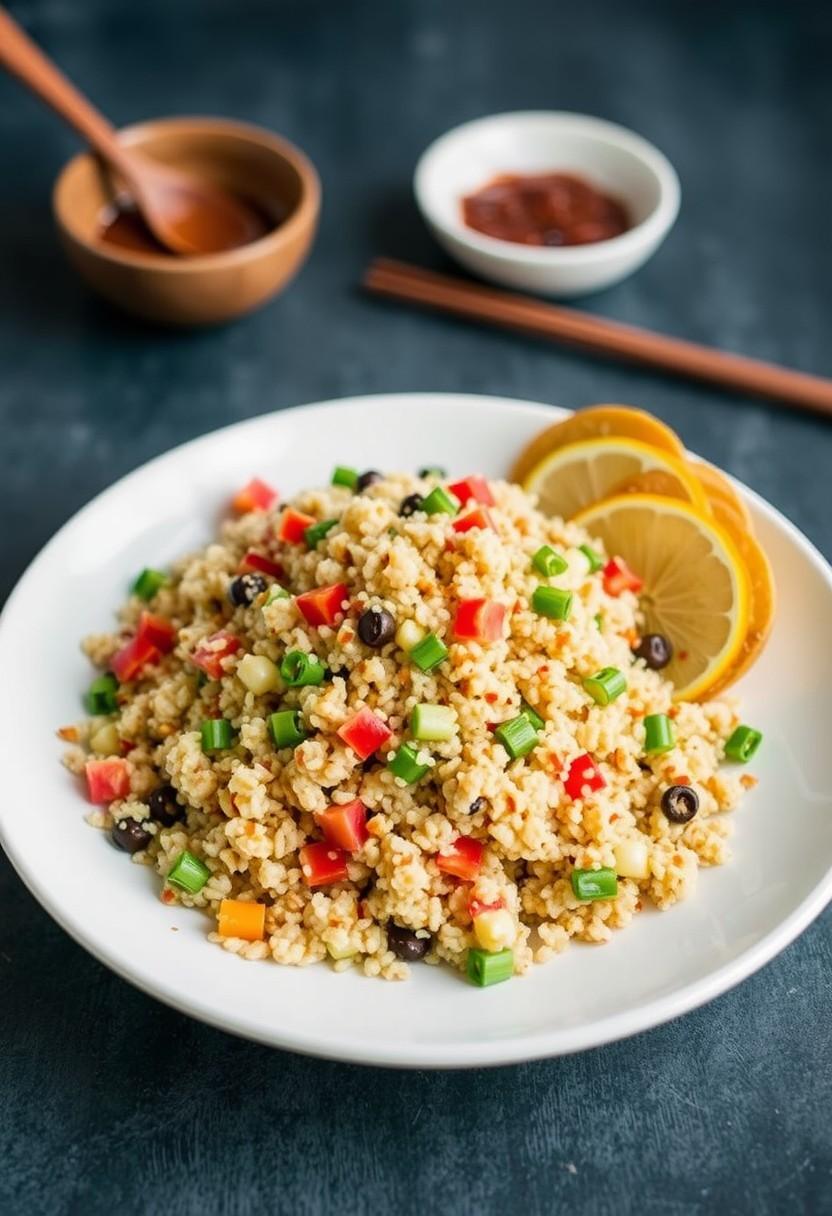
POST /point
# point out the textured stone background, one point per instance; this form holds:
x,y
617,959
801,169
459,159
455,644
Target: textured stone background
x,y
112,1102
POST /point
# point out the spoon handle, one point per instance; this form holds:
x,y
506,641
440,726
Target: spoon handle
x,y
20,56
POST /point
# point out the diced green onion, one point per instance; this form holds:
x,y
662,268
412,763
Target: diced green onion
x,y
485,969
189,873
405,764
300,669
148,583
441,502
276,592
549,563
595,884
532,714
518,736
286,728
743,744
429,653
552,602
343,476
316,532
599,620
606,685
434,723
594,558
216,734
100,697
658,734
433,471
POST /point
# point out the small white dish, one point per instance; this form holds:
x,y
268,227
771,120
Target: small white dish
x,y
609,156
661,966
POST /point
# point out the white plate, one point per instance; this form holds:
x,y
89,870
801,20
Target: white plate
x,y
663,965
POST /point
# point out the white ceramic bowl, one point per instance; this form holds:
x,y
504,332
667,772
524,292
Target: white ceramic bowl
x,y
661,966
543,141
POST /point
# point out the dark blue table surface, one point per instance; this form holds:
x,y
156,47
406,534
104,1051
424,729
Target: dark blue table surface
x,y
111,1102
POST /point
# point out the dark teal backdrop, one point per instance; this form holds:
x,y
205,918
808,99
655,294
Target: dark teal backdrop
x,y
112,1103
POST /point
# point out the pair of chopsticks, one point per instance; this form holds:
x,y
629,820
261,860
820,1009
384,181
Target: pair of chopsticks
x,y
475,302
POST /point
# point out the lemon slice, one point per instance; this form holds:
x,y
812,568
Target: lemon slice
x,y
696,589
597,422
762,605
572,477
727,506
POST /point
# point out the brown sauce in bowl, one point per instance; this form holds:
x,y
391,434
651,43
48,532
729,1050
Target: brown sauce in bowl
x,y
552,209
121,224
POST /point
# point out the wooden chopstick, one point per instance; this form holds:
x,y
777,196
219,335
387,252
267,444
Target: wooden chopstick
x,y
416,285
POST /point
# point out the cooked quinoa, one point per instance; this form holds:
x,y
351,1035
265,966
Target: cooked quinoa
x,y
246,810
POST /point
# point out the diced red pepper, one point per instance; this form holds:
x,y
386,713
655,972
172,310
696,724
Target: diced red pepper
x,y
463,859
478,518
107,780
365,733
127,663
259,562
619,577
211,651
476,908
479,621
323,863
256,496
475,487
345,826
324,605
583,772
292,525
157,630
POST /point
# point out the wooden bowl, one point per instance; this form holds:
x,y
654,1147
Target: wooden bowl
x,y
217,287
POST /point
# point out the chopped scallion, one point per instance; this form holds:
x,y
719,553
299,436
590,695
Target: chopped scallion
x,y
441,502
429,653
658,734
216,734
595,884
606,685
549,563
742,744
148,583
316,532
532,714
518,736
300,669
189,873
344,476
100,697
594,558
286,728
433,723
552,602
485,969
406,764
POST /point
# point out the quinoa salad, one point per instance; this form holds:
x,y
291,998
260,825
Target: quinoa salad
x,y
398,720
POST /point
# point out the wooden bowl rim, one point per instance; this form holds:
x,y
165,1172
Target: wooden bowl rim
x,y
303,215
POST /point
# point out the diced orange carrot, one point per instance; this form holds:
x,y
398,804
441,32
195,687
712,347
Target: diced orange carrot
x,y
242,918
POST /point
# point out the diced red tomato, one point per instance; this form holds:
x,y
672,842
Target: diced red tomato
x,y
157,630
478,518
365,733
259,562
476,908
256,496
127,663
479,621
107,780
583,772
475,487
345,826
323,863
292,525
463,859
324,605
619,577
210,653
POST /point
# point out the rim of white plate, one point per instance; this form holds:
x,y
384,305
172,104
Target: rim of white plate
x,y
543,1044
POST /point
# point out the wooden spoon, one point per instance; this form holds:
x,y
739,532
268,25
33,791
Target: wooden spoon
x,y
185,214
